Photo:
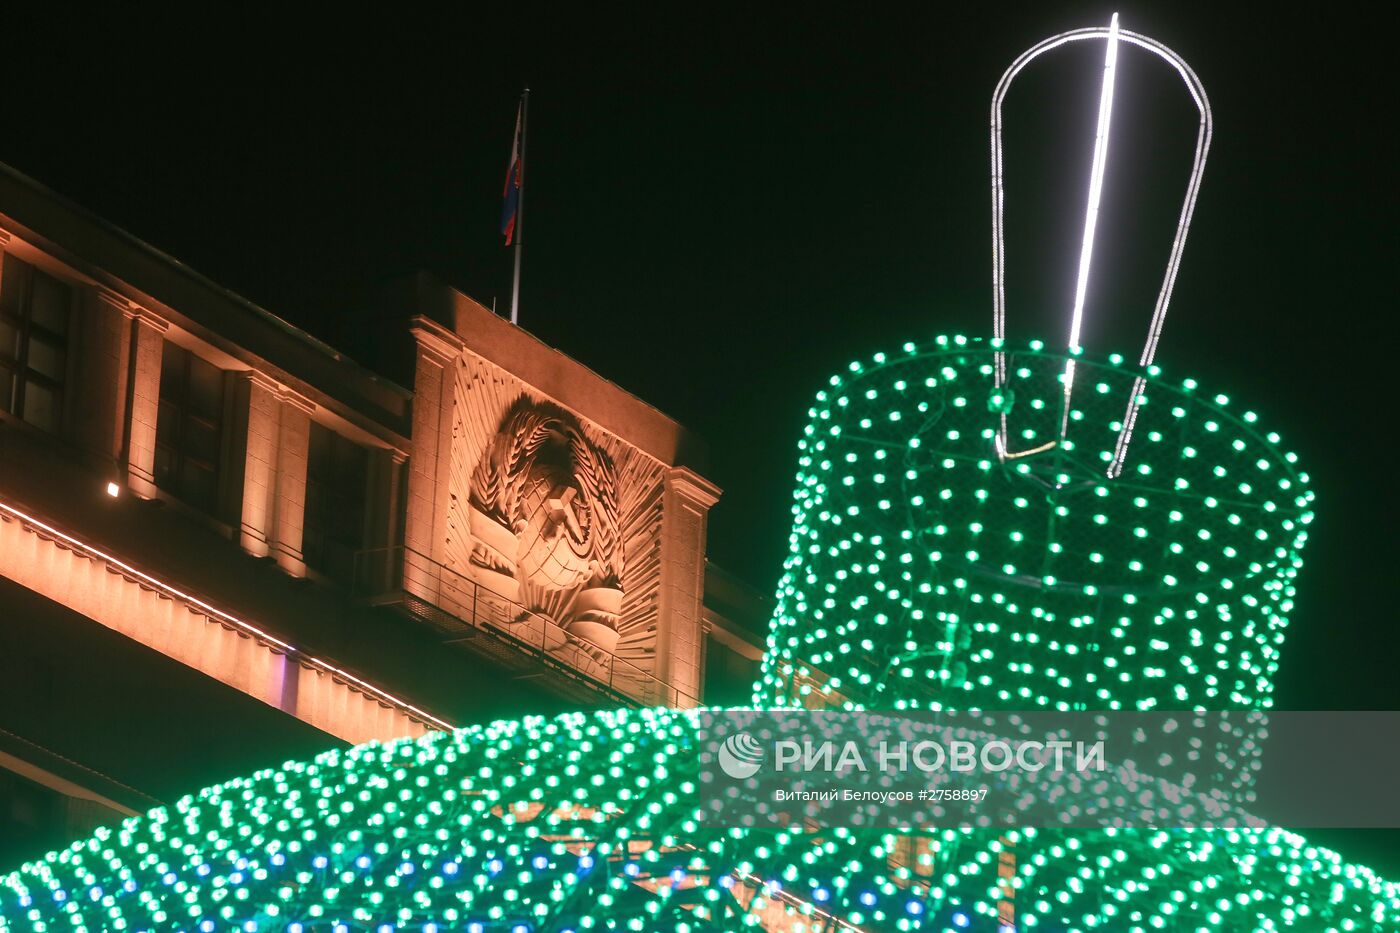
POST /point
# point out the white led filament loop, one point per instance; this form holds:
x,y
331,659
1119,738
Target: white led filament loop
x,y
1112,36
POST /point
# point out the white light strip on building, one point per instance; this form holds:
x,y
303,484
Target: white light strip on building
x,y
1203,137
266,639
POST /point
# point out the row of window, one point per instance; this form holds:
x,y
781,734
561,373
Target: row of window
x,y
36,316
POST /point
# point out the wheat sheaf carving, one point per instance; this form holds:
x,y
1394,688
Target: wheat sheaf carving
x,y
555,515
541,451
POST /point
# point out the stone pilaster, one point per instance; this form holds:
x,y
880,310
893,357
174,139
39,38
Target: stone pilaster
x,y
381,518
425,528
293,447
257,398
374,573
100,378
680,644
147,340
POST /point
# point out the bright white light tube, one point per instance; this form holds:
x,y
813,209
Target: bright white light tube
x,y
1115,37
1091,213
1096,173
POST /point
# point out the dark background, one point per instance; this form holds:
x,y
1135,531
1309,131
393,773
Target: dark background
x,y
726,205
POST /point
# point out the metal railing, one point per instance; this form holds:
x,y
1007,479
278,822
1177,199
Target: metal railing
x,y
466,609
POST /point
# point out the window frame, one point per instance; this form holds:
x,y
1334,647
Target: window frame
x,y
17,368
331,496
179,450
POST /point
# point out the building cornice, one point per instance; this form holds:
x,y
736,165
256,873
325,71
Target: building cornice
x,y
686,482
296,400
109,260
260,380
436,340
142,316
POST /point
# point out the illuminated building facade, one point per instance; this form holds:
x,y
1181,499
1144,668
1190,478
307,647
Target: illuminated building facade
x,y
222,543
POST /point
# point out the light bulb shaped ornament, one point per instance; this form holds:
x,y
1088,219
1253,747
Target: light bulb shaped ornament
x,y
592,820
1113,38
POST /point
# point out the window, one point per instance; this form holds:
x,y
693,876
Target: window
x,y
190,429
35,309
337,473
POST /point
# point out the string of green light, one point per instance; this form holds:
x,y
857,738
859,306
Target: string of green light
x,y
923,571
588,822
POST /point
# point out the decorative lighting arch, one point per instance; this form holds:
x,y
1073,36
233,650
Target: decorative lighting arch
x,y
1112,35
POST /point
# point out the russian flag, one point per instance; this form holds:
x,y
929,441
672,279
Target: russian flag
x,y
510,204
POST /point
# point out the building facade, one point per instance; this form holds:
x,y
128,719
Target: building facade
x,y
222,543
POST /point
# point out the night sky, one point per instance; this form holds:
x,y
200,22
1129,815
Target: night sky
x,y
724,206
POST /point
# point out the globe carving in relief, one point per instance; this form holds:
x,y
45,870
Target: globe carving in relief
x,y
543,516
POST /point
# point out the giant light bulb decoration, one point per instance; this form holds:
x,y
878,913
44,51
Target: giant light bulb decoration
x,y
971,530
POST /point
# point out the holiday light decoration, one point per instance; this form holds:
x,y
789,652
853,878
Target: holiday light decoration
x,y
1113,37
590,821
927,572
585,822
939,560
1091,215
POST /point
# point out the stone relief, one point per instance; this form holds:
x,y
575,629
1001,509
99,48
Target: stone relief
x,y
558,519
543,514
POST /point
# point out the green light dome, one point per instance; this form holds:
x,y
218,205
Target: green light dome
x,y
926,569
589,822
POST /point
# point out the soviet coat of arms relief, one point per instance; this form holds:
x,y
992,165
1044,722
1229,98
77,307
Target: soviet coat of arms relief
x,y
543,516
553,530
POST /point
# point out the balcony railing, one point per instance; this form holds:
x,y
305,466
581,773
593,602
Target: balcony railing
x,y
472,615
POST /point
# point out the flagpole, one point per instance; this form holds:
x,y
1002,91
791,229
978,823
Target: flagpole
x,y
520,209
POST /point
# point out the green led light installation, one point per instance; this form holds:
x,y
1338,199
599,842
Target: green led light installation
x,y
925,570
586,822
